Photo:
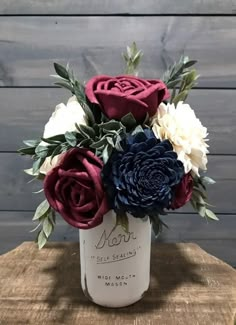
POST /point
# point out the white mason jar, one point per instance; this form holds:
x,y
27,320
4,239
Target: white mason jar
x,y
115,265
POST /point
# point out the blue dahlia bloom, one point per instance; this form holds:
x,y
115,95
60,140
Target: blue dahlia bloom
x,y
140,179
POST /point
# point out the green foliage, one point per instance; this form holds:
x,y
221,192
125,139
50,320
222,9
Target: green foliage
x,y
45,215
129,122
199,197
188,81
132,59
101,139
108,136
180,76
68,81
61,71
41,210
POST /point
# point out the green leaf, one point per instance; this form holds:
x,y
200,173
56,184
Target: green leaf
x,y
202,211
211,215
118,146
47,227
111,125
137,130
176,73
41,210
37,164
194,204
198,198
27,151
129,121
200,191
110,141
90,133
41,151
207,180
55,152
70,73
156,225
84,143
99,144
64,147
61,71
31,143
173,83
122,220
53,142
180,97
55,139
64,85
82,131
132,59
71,139
42,239
105,154
189,64
52,217
30,172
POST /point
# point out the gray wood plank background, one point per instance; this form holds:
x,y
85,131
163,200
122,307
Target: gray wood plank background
x,y
28,109
35,33
30,45
104,7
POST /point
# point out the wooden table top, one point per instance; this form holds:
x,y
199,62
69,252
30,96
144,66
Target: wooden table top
x,y
188,286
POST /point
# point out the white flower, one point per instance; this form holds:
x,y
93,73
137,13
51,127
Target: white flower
x,y
185,132
63,119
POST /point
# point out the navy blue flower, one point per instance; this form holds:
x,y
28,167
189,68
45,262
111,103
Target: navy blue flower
x,y
141,178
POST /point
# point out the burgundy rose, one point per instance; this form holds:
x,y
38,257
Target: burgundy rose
x,y
183,192
118,96
74,189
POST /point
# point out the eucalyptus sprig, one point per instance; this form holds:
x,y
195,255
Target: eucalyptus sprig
x,y
68,81
101,139
199,197
45,215
187,83
179,75
132,59
52,146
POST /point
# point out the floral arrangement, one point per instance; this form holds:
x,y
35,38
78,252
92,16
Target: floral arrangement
x,y
124,143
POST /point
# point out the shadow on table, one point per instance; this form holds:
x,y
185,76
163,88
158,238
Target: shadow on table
x,y
169,270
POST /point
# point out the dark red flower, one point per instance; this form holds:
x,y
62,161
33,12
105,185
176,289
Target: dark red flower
x,y
118,96
182,192
74,189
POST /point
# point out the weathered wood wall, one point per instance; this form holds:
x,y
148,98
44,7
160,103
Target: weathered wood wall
x,y
91,36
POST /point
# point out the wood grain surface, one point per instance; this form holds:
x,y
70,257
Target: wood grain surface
x,y
91,7
24,113
188,286
30,45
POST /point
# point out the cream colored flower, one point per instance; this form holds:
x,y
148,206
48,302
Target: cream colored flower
x,y
185,132
63,119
